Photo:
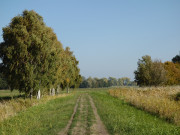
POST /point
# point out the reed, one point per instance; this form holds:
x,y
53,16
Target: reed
x,y
161,101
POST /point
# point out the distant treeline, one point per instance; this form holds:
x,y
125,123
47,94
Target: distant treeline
x,y
104,82
155,73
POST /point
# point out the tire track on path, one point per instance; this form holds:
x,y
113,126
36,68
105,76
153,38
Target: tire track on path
x,y
98,127
65,130
80,124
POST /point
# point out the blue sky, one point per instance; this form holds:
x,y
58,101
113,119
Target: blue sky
x,y
107,36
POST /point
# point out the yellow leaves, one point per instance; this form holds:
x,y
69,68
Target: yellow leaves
x,y
173,73
67,80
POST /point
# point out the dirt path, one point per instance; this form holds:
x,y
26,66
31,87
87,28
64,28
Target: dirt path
x,y
81,121
85,119
98,127
65,131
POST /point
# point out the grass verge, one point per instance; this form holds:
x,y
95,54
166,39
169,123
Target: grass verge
x,y
123,119
47,118
13,106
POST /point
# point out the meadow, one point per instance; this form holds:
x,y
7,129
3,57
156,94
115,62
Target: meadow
x,y
161,101
45,118
121,118
13,102
118,115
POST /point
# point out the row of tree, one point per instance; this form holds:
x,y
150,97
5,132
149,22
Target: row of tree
x,y
104,82
34,59
154,72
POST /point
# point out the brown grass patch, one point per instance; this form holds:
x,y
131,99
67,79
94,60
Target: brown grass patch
x,y
156,100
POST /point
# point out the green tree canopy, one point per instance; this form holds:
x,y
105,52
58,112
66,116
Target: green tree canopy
x,y
150,72
3,83
70,71
33,58
176,59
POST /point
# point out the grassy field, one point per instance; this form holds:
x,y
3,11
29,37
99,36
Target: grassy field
x,y
47,118
162,101
119,117
122,119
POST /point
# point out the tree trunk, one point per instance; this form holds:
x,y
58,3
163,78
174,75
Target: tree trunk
x,y
53,91
31,93
50,93
57,90
67,89
39,94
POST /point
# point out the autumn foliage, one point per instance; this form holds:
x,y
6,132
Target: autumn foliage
x,y
155,73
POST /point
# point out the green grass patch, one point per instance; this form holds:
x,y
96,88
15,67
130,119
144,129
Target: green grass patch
x,y
89,89
86,117
46,119
123,119
8,94
90,117
75,119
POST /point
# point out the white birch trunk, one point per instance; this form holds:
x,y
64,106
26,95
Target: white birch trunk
x,y
39,94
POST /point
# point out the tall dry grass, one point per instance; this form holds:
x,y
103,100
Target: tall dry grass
x,y
156,100
12,107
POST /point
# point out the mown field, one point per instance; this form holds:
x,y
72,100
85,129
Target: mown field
x,y
116,112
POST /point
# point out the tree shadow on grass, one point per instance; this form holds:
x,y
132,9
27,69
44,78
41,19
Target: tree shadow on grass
x,y
7,98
